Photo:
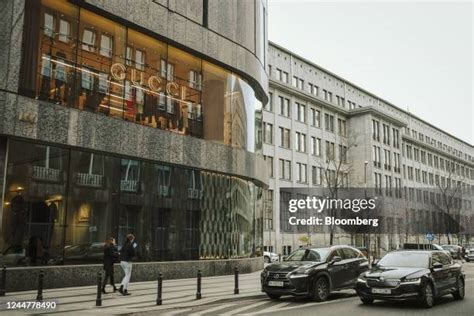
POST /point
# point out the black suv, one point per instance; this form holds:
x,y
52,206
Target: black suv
x,y
418,275
314,272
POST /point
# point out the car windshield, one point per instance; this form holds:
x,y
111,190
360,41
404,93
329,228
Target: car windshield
x,y
405,260
316,255
448,247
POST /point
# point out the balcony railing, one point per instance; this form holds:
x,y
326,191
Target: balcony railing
x,y
43,173
129,185
90,180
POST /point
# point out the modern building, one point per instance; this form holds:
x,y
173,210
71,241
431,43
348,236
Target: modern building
x,y
138,117
320,129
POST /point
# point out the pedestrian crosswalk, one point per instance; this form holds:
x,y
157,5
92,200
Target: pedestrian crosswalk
x,y
259,306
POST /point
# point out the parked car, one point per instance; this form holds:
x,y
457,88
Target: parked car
x,y
270,257
421,275
409,246
314,272
469,255
454,251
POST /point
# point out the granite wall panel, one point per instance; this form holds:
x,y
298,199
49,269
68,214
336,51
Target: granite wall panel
x,y
26,278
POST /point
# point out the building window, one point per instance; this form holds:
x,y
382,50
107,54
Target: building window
x,y
64,30
300,142
341,127
88,40
375,130
396,138
315,117
329,122
376,157
343,153
284,106
48,25
302,172
284,137
317,175
330,150
301,112
315,146
387,160
386,134
269,161
105,45
285,169
298,83
267,133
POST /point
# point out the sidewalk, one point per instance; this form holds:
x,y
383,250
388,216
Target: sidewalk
x,y
176,294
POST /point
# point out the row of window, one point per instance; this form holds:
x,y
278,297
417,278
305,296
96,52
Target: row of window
x,y
387,161
392,189
433,142
312,89
319,175
388,138
411,152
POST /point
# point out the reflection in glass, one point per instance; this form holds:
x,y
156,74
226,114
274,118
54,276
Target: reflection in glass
x,y
94,64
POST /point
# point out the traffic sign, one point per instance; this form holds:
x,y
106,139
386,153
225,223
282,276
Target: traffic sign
x,y
430,236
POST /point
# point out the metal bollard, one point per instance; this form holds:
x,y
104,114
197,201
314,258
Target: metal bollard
x,y
39,296
236,280
159,301
198,293
279,257
3,284
98,300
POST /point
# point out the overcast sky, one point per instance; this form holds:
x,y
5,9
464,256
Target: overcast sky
x,y
416,55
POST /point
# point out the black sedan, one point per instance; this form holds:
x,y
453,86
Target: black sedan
x,y
416,275
314,272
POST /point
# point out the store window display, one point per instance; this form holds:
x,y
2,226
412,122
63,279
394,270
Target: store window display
x,y
92,63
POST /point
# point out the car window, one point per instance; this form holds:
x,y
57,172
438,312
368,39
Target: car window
x,y
435,258
297,255
313,256
445,259
336,253
349,253
405,259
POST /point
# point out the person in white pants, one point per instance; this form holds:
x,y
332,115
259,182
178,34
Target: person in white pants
x,y
126,255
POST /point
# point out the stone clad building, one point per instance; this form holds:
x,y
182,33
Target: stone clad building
x,y
136,117
315,119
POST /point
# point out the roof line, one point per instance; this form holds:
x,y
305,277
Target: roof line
x,y
367,92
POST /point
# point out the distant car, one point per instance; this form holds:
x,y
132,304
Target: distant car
x,y
469,256
314,272
425,247
270,257
421,275
455,251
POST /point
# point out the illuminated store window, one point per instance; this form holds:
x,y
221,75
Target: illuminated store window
x,y
85,61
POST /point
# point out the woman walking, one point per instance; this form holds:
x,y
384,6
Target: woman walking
x,y
110,257
126,255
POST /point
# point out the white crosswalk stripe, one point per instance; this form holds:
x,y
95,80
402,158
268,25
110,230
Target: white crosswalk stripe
x,y
178,311
211,310
245,308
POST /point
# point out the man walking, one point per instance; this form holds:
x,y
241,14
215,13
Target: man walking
x,y
126,255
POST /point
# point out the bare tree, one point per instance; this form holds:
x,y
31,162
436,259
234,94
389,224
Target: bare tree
x,y
450,189
335,171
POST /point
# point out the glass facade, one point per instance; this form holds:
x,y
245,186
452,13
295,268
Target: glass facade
x,y
61,204
82,60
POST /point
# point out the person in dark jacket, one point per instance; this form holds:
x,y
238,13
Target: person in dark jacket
x,y
126,256
111,255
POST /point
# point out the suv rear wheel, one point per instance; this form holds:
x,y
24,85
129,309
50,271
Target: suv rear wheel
x,y
321,289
